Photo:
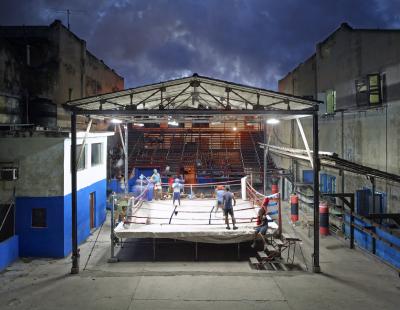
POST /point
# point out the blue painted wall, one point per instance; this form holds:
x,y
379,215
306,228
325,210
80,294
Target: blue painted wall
x,y
8,252
56,239
115,186
41,242
84,213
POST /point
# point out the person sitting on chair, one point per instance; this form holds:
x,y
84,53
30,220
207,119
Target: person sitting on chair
x,y
262,223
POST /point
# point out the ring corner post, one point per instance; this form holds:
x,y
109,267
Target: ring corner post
x,y
280,214
74,205
316,267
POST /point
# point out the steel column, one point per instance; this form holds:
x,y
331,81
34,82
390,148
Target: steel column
x,y
126,178
316,267
280,214
113,258
74,206
266,141
352,221
373,211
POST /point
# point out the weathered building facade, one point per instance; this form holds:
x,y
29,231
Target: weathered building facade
x,y
42,67
356,74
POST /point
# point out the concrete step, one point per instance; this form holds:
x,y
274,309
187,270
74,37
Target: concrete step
x,y
253,261
262,255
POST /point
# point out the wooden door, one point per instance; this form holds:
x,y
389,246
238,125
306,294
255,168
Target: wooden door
x,y
92,209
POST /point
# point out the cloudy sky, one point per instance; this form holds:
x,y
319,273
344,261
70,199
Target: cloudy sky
x,y
254,42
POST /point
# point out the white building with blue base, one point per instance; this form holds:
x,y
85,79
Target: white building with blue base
x,y
43,190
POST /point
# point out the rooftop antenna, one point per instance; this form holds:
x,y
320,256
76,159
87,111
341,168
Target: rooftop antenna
x,y
68,12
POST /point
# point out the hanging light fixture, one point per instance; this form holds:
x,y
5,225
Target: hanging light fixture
x,y
273,121
116,121
173,123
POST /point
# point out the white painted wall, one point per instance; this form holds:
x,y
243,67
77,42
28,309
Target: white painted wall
x,y
90,174
44,165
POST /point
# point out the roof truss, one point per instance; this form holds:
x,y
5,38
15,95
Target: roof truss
x,y
192,93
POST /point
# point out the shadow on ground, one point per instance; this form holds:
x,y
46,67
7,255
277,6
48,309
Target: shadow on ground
x,y
177,250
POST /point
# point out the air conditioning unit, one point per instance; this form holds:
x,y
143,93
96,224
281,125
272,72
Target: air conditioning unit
x,y
8,174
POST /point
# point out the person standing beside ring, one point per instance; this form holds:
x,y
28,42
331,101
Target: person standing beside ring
x,y
156,179
219,193
176,189
227,199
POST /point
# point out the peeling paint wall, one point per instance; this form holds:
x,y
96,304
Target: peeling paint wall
x,y
370,137
40,161
60,68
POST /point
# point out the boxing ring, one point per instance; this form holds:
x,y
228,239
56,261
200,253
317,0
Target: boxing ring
x,y
197,220
194,220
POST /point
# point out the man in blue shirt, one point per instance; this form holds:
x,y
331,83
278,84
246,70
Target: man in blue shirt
x,y
176,188
156,179
228,208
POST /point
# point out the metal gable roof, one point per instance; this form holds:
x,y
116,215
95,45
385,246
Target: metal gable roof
x,y
193,93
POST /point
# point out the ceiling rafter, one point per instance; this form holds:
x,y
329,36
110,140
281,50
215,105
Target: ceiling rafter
x,y
215,94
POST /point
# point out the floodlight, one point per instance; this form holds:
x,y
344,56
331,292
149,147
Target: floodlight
x,y
273,121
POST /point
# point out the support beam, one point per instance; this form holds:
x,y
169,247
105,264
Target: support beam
x,y
84,142
373,210
172,101
316,266
191,112
74,206
126,178
113,258
266,149
122,138
303,136
212,96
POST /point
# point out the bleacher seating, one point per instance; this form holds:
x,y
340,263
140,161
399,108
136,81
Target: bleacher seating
x,y
214,152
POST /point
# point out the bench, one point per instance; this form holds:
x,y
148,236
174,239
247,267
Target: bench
x,y
289,244
278,242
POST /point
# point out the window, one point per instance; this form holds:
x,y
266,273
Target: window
x,y
368,90
374,81
330,101
81,163
39,218
96,154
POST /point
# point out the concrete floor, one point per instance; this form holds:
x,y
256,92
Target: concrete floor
x,y
351,279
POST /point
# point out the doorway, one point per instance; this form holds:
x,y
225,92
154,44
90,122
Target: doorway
x,y
92,199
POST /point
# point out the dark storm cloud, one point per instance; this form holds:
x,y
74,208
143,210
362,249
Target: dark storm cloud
x,y
248,41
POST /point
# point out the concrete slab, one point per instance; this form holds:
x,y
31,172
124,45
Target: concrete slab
x,y
328,292
68,292
209,305
222,288
350,280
